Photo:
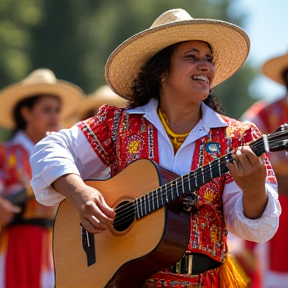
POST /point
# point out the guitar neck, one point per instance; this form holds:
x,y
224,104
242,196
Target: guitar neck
x,y
180,186
188,183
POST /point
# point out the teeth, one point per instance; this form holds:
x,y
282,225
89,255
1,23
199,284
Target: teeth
x,y
202,78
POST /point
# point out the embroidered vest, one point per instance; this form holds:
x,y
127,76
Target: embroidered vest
x,y
119,138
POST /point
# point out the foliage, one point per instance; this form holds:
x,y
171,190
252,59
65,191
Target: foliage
x,y
75,38
17,17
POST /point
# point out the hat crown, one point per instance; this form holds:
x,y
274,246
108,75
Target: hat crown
x,y
171,16
39,76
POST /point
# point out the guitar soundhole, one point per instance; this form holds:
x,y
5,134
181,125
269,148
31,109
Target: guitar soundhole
x,y
124,216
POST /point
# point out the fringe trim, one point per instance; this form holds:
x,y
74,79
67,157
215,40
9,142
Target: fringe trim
x,y
232,275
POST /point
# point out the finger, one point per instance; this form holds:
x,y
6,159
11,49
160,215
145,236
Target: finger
x,y
15,209
107,210
97,222
247,153
90,227
232,166
262,160
242,159
96,216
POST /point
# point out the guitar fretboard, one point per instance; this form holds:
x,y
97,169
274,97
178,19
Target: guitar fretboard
x,y
180,186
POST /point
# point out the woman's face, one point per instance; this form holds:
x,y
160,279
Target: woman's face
x,y
191,73
43,116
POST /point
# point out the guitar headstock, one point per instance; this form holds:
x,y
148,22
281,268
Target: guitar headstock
x,y
273,142
278,140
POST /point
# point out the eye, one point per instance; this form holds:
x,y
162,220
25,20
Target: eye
x,y
191,56
209,58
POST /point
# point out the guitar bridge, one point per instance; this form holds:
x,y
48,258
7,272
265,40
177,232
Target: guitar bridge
x,y
88,246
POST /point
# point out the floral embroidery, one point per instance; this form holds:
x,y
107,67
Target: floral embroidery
x,y
208,196
133,146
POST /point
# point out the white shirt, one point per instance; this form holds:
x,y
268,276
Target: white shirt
x,y
68,151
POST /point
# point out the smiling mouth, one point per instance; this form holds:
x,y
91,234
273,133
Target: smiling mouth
x,y
201,78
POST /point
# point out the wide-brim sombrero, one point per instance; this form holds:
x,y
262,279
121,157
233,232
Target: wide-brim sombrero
x,y
40,81
230,46
274,68
103,95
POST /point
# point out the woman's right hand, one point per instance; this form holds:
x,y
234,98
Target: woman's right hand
x,y
95,215
7,211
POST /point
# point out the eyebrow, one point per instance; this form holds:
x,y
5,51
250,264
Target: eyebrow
x,y
196,50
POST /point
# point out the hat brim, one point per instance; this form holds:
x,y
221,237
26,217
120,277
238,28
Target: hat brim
x,y
69,94
274,68
94,103
230,46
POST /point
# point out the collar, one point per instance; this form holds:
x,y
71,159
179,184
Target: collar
x,y
210,119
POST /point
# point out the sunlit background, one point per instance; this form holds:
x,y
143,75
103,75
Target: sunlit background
x,y
266,23
74,39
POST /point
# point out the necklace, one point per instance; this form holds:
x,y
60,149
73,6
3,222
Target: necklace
x,y
176,139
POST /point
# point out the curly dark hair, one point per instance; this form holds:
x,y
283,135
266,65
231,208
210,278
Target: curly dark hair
x,y
147,84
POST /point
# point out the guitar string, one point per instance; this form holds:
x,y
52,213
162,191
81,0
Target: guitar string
x,y
194,174
177,183
163,195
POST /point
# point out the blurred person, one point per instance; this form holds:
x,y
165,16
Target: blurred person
x,y
167,73
30,108
242,250
244,253
90,105
103,95
273,255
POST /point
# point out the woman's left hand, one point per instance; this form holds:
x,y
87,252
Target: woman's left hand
x,y
249,173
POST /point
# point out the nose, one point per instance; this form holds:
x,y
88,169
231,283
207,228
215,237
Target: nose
x,y
204,66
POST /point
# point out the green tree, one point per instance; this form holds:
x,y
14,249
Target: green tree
x,y
74,39
17,17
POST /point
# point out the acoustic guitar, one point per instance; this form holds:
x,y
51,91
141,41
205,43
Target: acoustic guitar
x,y
151,230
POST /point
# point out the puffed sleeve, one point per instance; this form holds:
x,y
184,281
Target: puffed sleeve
x,y
256,230
60,153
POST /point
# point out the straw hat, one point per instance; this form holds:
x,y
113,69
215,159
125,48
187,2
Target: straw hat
x,y
230,46
103,95
40,81
274,68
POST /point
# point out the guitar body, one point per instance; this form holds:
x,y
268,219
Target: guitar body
x,y
123,258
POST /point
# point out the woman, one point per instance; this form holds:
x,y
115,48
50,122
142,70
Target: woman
x,y
32,108
167,72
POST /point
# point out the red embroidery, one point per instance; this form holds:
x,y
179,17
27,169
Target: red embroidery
x,y
136,139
